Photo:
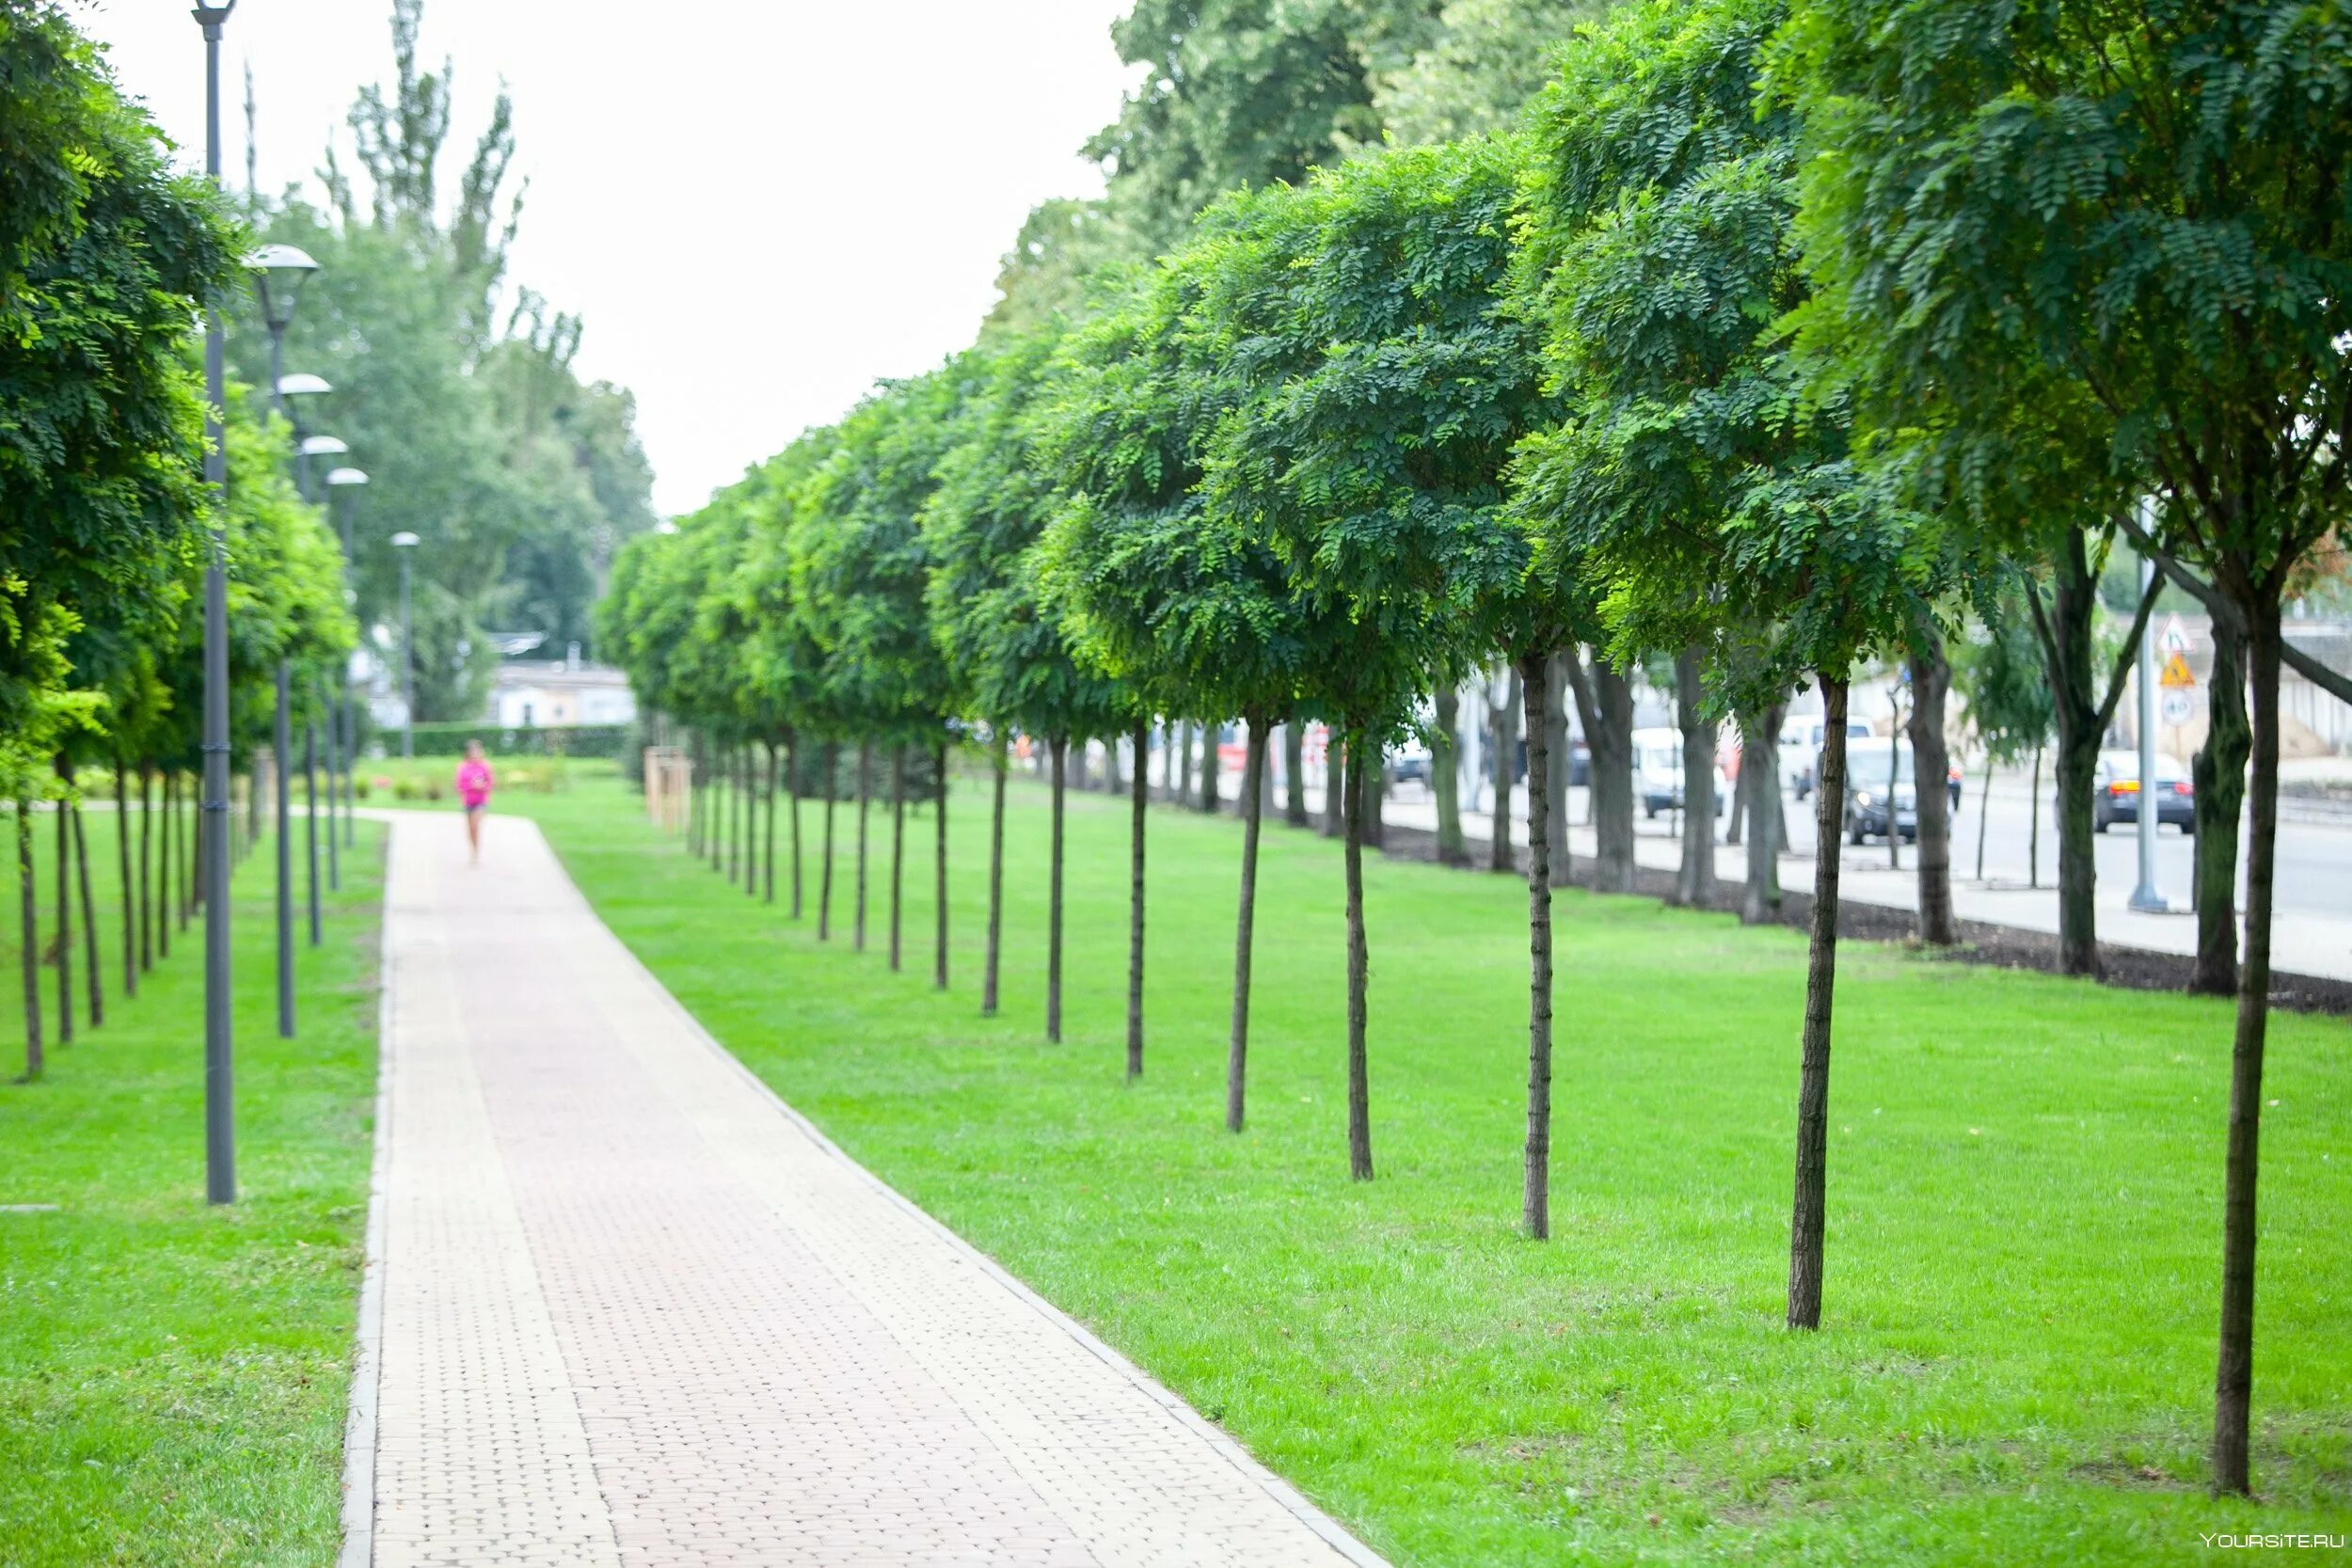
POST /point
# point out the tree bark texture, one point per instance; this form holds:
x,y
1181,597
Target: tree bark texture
x,y
1694,880
1604,705
1209,764
1931,683
1245,926
1536,680
163,869
1334,784
2233,1374
1139,800
1556,744
94,982
1294,772
1358,967
1501,767
146,869
768,869
65,925
1445,776
1759,783
130,897
1808,1223
2218,775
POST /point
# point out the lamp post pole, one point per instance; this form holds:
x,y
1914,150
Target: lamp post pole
x,y
220,1123
340,483
405,542
293,266
2148,898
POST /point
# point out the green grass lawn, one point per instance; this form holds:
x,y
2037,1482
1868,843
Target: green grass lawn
x,y
2017,1359
172,1375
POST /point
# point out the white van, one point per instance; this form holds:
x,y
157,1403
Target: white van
x,y
1657,771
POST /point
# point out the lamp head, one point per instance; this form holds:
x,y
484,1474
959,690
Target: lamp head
x,y
405,540
279,273
347,476
302,383
323,446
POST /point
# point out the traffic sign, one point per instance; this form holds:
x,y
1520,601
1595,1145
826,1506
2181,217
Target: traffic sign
x,y
2178,707
2176,676
2175,638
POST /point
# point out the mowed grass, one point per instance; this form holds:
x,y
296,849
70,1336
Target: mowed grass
x,y
2017,1359
173,1376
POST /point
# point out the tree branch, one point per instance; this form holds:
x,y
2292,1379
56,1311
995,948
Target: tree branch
x,y
2131,651
2225,616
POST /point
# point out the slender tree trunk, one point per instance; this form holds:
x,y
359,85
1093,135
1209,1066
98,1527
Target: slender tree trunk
x,y
995,881
1445,779
939,865
1294,772
2078,865
1535,673
1930,680
1984,810
2218,775
792,789
191,831
310,819
28,919
824,873
1695,881
747,771
1245,926
1759,780
1183,761
695,795
865,804
1210,762
2233,1376
94,986
1809,1221
65,919
1059,749
147,869
1604,705
1358,971
1499,856
1334,783
898,846
163,866
2033,827
1139,797
130,896
768,861
1374,781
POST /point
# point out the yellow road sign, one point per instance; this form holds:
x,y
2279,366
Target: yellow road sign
x,y
2176,673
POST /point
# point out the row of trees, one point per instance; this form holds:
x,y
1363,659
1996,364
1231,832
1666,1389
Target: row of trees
x,y
1782,335
104,523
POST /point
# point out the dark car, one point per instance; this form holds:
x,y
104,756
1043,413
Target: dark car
x,y
1878,782
2115,791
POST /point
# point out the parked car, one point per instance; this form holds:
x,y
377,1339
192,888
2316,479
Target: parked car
x,y
1657,771
2115,791
1408,763
1801,750
1870,802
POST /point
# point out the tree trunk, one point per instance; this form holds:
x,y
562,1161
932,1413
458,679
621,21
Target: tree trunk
x,y
995,883
1556,744
824,872
1808,1222
1694,880
1604,705
310,820
768,832
747,771
792,799
2078,866
2233,1376
2033,827
147,866
2218,775
1059,748
65,920
1244,928
1931,681
1984,812
28,919
1536,680
162,870
1183,761
897,845
694,795
939,867
1499,856
1445,778
94,982
1209,764
130,897
865,804
1294,772
1374,781
1140,798
1358,969
1334,783
191,829
1759,783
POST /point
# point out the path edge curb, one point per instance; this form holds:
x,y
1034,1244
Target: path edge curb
x,y
359,1420
1289,1497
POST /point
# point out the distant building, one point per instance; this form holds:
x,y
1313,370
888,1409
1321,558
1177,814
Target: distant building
x,y
559,694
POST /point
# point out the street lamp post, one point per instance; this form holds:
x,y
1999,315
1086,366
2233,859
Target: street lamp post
x,y
2148,898
342,484
405,542
279,272
220,1124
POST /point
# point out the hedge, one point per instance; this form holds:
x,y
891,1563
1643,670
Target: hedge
x,y
449,740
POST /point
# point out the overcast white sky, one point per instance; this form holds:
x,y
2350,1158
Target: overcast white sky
x,y
758,207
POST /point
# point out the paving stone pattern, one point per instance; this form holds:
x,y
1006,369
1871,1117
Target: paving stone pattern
x,y
633,1311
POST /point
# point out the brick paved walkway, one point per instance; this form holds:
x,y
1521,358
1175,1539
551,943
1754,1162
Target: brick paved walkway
x,y
626,1308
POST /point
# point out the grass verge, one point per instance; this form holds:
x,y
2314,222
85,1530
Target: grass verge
x,y
173,1375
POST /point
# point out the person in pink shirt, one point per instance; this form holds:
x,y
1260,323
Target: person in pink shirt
x,y
474,782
